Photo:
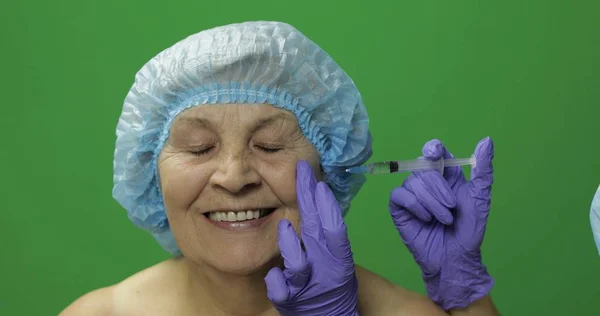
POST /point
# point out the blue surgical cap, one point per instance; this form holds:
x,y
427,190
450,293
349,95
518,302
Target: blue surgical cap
x,y
595,218
251,62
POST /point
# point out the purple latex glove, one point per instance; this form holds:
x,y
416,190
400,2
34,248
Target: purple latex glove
x,y
320,281
442,220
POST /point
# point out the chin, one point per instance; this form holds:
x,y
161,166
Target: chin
x,y
238,254
245,267
245,259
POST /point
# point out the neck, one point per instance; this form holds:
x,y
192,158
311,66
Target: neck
x,y
230,294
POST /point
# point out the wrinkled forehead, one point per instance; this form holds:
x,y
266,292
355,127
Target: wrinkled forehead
x,y
227,116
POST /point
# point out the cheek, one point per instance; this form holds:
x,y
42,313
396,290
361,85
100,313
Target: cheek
x,y
282,181
281,177
181,185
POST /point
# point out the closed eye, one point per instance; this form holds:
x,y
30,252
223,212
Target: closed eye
x,y
202,151
268,150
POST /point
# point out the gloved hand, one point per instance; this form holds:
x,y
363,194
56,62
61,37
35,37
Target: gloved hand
x,y
320,281
442,220
595,218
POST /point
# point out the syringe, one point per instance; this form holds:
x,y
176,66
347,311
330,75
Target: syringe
x,y
387,167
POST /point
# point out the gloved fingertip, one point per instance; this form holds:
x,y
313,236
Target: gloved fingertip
x,y
302,165
304,171
284,229
286,237
425,217
448,220
445,217
483,172
450,201
283,225
396,194
433,149
484,148
277,289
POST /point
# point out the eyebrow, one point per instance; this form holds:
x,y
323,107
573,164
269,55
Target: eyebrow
x,y
197,121
205,123
269,120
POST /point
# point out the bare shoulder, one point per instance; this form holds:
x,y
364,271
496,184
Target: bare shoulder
x,y
97,302
137,295
378,296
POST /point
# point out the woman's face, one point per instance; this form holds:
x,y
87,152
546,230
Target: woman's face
x,y
227,175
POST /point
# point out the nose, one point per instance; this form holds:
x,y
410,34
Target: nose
x,y
235,175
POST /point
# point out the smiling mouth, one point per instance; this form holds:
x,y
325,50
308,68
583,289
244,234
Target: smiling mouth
x,y
240,216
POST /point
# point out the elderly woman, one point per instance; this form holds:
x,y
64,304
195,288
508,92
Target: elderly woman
x,y
231,151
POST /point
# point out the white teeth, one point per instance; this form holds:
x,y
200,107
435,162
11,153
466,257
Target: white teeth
x,y
235,216
231,217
